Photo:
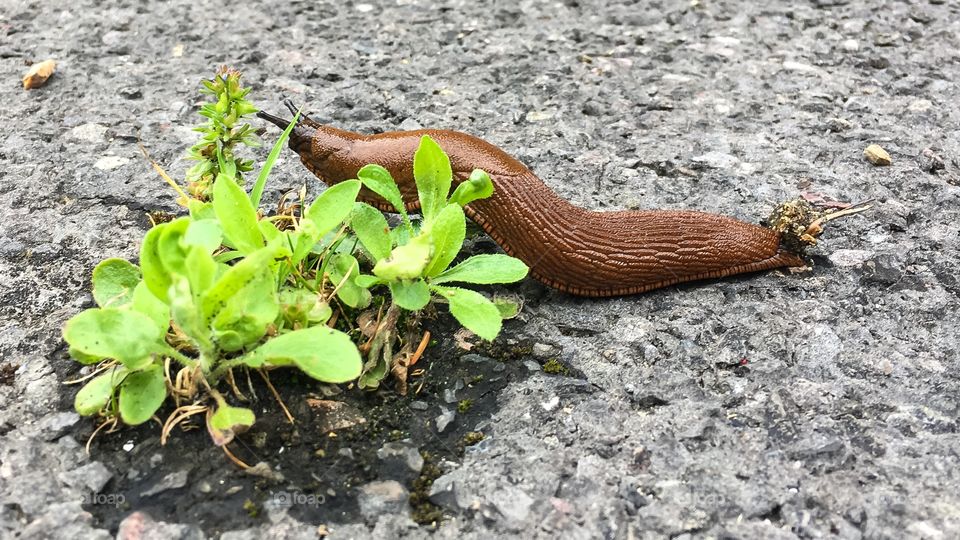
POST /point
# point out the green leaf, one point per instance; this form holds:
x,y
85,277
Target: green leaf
x,y
205,233
236,214
323,353
405,262
237,278
200,210
340,267
332,207
431,169
141,394
154,274
447,233
201,270
478,186
95,395
484,270
367,281
114,281
508,307
268,230
171,251
372,230
230,418
241,319
378,180
125,335
187,314
258,186
473,310
145,302
410,295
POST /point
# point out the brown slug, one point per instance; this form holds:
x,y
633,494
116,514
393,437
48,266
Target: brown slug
x,y
572,249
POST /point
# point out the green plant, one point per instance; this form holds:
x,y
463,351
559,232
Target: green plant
x,y
414,262
224,288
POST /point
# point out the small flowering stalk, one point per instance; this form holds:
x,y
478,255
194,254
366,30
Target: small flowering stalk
x,y
215,153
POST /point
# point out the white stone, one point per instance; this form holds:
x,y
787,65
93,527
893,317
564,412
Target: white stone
x,y
109,163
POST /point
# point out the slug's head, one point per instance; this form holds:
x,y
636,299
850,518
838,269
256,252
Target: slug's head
x,y
300,137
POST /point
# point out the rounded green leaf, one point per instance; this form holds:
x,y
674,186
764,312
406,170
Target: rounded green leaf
x,y
431,169
372,230
141,394
410,295
405,262
128,336
332,207
114,281
232,418
323,353
205,234
155,275
378,180
95,395
473,311
145,302
447,232
484,270
236,214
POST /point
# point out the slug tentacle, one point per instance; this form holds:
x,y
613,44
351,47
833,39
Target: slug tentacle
x,y
572,249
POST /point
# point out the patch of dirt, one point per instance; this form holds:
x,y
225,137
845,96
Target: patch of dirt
x,y
322,469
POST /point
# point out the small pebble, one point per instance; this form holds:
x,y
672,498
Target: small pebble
x,y
877,155
38,74
930,161
851,45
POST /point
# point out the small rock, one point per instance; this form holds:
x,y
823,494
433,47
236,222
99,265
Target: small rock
x,y
850,257
544,350
851,45
90,133
140,526
539,116
56,424
513,504
345,452
449,395
171,481
335,415
92,476
109,163
716,160
364,8
38,74
551,404
127,446
444,492
410,124
920,105
130,92
400,460
877,155
444,419
837,125
418,405
930,161
531,365
387,497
